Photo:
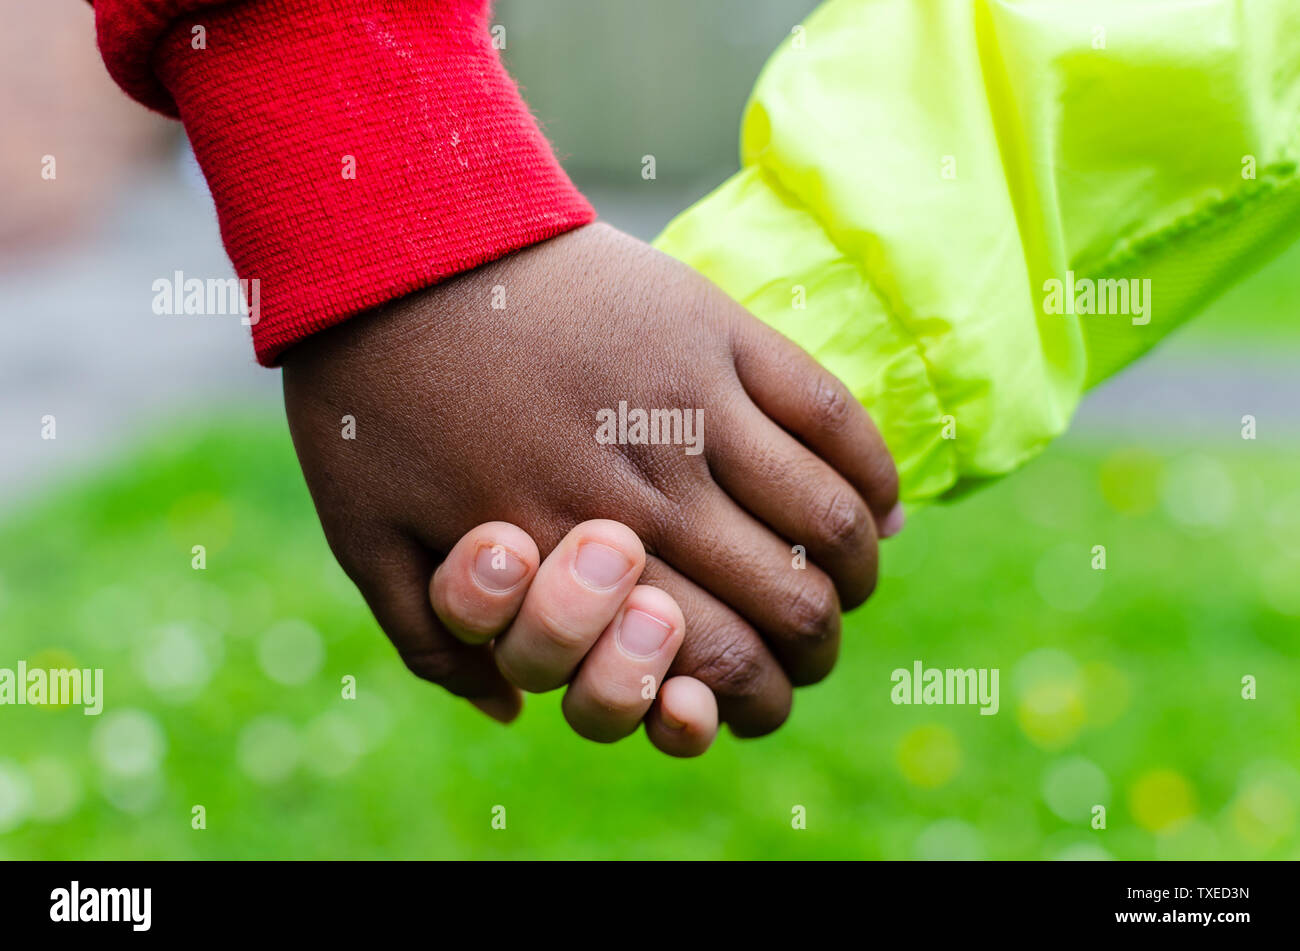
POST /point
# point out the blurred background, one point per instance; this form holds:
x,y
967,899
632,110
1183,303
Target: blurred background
x,y
1119,687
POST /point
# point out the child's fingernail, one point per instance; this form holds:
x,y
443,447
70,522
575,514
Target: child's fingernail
x,y
641,635
893,522
601,566
498,569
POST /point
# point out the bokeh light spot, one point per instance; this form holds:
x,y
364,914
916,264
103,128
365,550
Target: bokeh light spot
x,y
1083,852
949,839
1050,710
1106,693
1263,813
128,743
1198,492
56,790
929,756
334,744
1073,786
1160,799
268,749
177,661
15,795
291,652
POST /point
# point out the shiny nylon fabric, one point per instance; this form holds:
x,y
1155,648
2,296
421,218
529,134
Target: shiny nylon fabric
x,y
916,172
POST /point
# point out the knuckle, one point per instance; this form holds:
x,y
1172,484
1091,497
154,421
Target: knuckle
x,y
813,612
435,664
844,520
557,636
761,722
523,672
864,585
872,576
465,619
600,718
734,671
884,476
814,670
830,404
473,630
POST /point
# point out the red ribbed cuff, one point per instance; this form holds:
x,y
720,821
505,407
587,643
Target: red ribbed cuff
x,y
357,150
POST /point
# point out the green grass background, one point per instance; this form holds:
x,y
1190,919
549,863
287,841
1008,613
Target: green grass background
x,y
1120,688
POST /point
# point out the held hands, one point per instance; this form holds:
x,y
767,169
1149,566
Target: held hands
x,y
579,619
467,414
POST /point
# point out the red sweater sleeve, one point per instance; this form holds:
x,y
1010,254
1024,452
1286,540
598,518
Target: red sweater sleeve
x,y
357,150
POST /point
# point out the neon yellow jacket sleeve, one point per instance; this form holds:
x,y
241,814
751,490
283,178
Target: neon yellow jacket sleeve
x,y
973,210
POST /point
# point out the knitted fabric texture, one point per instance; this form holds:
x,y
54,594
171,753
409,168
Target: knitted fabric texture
x,y
357,150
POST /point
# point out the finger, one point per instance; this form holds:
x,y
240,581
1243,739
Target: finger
x,y
809,401
799,497
684,718
478,589
791,603
621,674
574,595
395,583
726,654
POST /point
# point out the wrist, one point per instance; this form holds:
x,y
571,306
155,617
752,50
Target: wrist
x,y
357,151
